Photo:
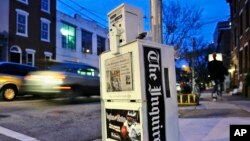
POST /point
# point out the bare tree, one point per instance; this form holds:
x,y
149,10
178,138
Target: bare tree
x,y
200,54
180,23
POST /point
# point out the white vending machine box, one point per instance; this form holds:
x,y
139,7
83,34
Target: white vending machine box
x,y
127,21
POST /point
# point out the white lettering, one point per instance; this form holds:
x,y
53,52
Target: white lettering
x,y
155,92
239,132
114,127
243,131
118,118
155,111
153,59
157,136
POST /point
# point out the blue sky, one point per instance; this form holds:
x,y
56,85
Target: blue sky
x,y
213,11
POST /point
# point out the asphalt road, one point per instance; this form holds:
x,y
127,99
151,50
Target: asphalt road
x,y
50,120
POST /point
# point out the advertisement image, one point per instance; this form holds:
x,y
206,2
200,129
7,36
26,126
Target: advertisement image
x,y
123,125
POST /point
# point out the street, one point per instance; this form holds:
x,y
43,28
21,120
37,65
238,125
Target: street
x,y
50,120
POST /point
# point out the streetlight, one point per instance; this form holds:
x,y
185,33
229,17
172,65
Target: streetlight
x,y
186,68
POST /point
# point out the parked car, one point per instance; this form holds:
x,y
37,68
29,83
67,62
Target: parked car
x,y
64,78
11,77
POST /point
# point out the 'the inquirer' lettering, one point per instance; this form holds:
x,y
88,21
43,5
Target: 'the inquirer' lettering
x,y
155,91
153,59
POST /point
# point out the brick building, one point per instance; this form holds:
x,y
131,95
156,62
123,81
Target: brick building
x,y
240,33
30,27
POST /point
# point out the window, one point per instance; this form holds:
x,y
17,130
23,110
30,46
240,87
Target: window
x,y
30,57
48,55
86,41
21,23
45,5
87,71
45,30
15,54
68,36
80,69
100,45
23,1
29,60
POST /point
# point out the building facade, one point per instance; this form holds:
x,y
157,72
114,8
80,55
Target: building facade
x,y
240,51
30,27
222,42
79,40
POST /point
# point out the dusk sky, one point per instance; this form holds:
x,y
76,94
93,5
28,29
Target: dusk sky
x,y
213,11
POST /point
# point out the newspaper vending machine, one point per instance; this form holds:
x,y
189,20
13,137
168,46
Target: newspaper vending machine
x,y
138,94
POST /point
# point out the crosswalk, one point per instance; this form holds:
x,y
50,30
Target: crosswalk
x,y
16,135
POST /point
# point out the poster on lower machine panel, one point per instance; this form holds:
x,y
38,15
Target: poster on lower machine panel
x,y
123,125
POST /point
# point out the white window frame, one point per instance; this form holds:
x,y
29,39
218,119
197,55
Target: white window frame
x,y
26,14
46,21
45,10
48,54
16,49
32,52
24,1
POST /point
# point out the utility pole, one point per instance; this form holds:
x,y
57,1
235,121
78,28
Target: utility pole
x,y
156,20
193,80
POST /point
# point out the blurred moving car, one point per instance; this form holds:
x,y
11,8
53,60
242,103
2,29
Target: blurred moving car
x,y
11,77
64,78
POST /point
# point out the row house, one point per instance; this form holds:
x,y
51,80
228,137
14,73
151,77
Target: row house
x,y
32,32
29,30
79,39
240,33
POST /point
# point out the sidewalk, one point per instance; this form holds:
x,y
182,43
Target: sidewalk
x,y
210,120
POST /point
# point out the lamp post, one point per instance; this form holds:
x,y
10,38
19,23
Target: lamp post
x,y
193,81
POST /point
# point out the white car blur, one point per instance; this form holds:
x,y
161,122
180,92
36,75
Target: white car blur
x,y
64,78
